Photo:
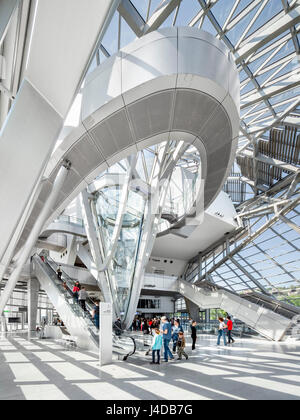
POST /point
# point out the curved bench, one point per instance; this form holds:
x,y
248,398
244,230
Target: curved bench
x,y
176,83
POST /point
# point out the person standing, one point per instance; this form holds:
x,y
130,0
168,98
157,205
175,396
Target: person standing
x,y
229,330
76,292
117,327
166,329
157,343
95,314
222,328
59,272
181,346
194,334
145,326
82,297
177,328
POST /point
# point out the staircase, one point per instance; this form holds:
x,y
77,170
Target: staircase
x,y
79,323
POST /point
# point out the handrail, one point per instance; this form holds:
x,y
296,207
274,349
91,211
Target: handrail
x,y
69,281
124,333
68,292
89,304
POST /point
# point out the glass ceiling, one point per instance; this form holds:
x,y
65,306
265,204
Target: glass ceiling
x,y
269,75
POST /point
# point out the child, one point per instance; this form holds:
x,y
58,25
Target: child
x,y
156,346
181,346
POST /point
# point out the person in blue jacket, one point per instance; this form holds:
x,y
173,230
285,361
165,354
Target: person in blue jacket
x,y
166,330
157,343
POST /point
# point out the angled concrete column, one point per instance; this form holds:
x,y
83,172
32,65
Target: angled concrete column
x,y
192,309
7,8
33,236
72,250
50,82
25,147
33,288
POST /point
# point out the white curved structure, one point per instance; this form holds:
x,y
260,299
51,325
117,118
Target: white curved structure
x,y
153,90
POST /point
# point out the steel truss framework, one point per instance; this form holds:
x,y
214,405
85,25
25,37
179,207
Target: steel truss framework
x,y
263,253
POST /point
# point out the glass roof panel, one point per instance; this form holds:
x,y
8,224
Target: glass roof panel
x,y
272,8
187,12
141,6
235,33
222,9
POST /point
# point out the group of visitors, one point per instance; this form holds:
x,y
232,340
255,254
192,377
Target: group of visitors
x,y
165,331
222,331
161,340
80,296
144,324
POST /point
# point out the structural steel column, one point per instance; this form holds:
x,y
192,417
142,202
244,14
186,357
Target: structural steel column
x,y
32,296
95,250
193,310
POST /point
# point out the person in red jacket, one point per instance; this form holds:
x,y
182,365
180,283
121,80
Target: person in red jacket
x,y
76,290
229,329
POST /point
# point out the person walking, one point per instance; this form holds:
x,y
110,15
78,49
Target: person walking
x,y
222,328
59,272
181,346
166,329
194,334
117,327
95,314
177,328
76,292
82,297
145,326
229,330
157,343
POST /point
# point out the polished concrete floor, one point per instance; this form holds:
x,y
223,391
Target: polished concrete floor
x,y
250,369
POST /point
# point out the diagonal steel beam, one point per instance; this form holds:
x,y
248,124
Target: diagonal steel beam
x,y
250,277
291,224
288,84
132,17
161,14
253,236
269,31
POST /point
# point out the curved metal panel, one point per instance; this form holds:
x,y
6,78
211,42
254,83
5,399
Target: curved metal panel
x,y
147,93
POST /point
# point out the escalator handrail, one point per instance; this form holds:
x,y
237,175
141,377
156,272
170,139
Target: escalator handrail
x,y
124,333
93,335
89,303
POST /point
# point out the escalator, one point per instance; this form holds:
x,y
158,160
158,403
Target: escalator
x,y
282,308
79,323
262,319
